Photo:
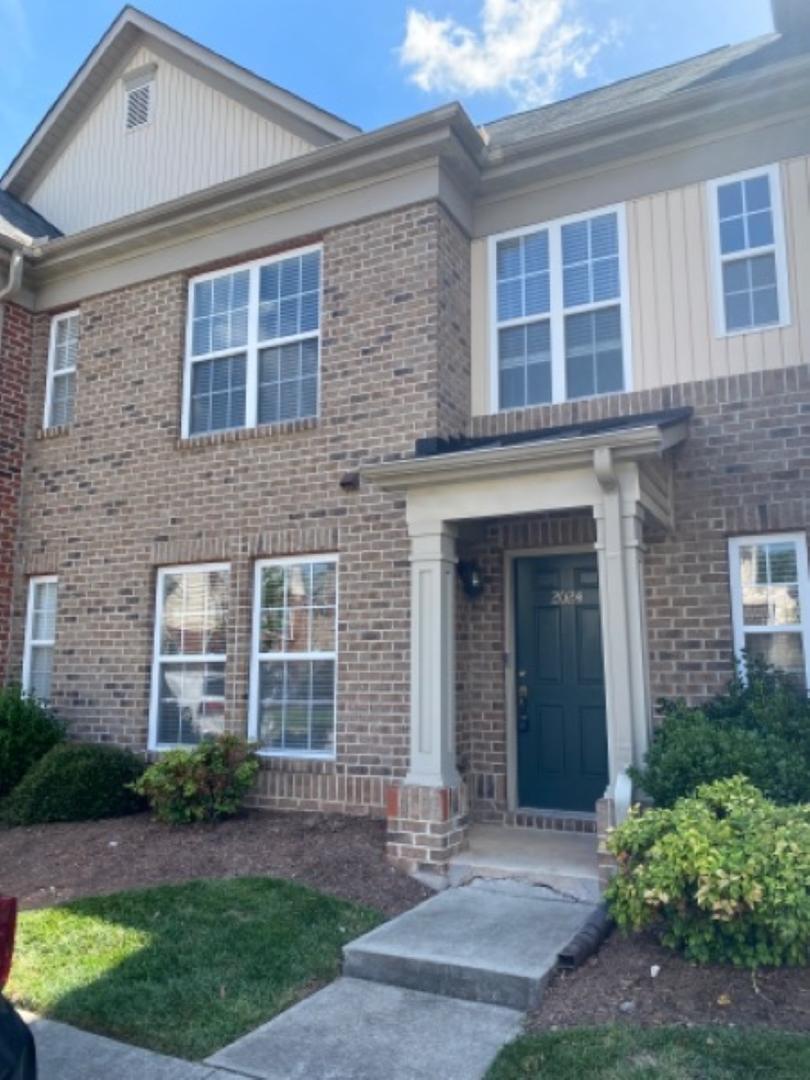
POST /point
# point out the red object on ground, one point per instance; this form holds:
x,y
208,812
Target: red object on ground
x,y
8,925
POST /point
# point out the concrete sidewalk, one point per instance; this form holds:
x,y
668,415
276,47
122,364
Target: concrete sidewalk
x,y
65,1053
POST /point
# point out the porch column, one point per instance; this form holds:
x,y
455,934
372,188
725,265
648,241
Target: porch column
x,y
618,531
433,661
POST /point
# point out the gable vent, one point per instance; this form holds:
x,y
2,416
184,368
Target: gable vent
x,y
139,105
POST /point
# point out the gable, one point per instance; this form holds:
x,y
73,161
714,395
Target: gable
x,y
196,135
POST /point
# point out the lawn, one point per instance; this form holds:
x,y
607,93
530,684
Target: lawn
x,y
182,969
633,1053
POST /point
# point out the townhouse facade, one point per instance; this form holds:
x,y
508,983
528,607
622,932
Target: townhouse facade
x,y
427,458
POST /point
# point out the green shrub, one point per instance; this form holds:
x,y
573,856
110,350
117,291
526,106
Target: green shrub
x,y
723,876
76,782
759,729
203,784
28,730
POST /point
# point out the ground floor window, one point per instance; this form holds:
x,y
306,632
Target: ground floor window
x,y
40,637
293,675
188,673
770,595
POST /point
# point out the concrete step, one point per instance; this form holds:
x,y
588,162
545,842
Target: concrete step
x,y
565,862
493,942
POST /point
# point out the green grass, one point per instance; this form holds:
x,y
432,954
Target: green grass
x,y
631,1053
183,969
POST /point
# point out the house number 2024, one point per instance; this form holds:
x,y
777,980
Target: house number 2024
x,y
565,597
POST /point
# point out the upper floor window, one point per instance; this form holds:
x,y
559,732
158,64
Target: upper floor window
x,y
190,653
40,637
770,594
62,355
253,345
560,326
749,251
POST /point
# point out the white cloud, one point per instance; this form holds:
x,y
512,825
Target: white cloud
x,y
524,48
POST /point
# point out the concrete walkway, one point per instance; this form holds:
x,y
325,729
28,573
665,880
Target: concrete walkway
x,y
65,1053
359,1030
433,993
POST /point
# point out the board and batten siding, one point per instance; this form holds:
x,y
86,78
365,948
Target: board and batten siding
x,y
198,136
674,337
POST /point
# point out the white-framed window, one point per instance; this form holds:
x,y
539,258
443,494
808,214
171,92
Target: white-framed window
x,y
770,601
40,636
559,310
63,351
190,654
748,251
293,686
253,344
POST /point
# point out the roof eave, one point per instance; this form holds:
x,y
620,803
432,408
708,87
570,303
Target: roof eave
x,y
544,455
444,132
720,99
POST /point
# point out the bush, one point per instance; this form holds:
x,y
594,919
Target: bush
x,y
28,730
204,784
759,729
723,876
76,782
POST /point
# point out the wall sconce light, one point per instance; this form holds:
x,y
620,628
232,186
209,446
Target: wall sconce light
x,y
472,580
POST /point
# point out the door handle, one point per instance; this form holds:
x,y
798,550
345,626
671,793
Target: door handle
x,y
523,708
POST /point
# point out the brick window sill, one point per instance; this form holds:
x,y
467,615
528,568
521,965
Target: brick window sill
x,y
44,434
263,431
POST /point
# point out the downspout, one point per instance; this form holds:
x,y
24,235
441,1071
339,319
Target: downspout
x,y
15,276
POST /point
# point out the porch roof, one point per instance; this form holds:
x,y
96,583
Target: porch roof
x,y
628,438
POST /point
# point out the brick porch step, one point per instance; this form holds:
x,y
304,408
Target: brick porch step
x,y
492,942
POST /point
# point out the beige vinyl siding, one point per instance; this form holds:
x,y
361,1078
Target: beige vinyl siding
x,y
674,337
198,136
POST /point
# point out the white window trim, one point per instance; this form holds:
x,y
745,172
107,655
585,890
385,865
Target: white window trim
x,y
738,626
192,658
779,249
30,641
252,346
253,696
557,313
61,317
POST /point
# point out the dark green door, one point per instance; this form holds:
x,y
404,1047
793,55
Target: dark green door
x,y
562,735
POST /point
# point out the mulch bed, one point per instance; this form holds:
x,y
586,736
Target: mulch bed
x,y
46,864
616,986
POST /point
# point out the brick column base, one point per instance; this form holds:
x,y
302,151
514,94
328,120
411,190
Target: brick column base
x,y
605,820
426,826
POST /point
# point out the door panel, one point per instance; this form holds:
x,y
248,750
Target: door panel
x,y
562,734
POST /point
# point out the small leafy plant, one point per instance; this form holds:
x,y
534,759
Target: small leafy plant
x,y
28,730
206,783
76,782
759,728
723,876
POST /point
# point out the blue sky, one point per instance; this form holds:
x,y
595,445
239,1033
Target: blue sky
x,y
376,61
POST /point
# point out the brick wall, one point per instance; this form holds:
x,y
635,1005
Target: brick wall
x,y
15,357
120,494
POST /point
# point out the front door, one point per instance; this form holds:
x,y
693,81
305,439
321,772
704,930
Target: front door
x,y
562,732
